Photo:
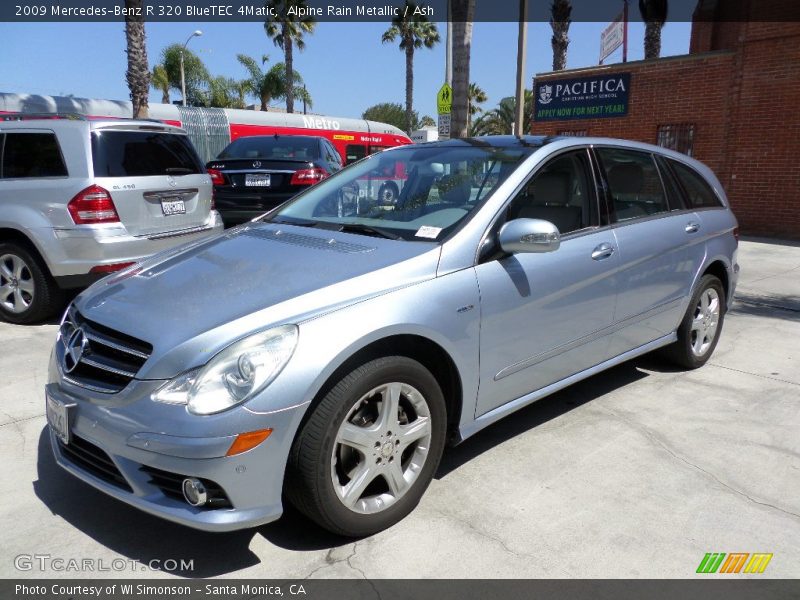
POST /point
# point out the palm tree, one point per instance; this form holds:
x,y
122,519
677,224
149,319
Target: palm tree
x,y
286,32
414,32
138,73
654,14
160,81
500,120
271,84
475,96
196,75
462,12
560,11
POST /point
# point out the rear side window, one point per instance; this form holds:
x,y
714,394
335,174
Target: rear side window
x,y
143,154
634,183
272,148
698,192
29,155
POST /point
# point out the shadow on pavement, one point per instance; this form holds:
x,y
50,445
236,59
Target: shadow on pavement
x,y
546,409
773,306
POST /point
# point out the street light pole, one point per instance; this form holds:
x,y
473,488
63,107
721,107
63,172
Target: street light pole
x,y
197,33
522,42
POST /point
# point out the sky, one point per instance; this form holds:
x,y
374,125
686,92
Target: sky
x,y
345,66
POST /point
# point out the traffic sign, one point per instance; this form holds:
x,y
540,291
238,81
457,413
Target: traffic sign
x,y
444,127
444,99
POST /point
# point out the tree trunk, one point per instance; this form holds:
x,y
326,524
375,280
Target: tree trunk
x,y
409,85
462,11
652,39
287,41
265,103
165,97
138,73
560,43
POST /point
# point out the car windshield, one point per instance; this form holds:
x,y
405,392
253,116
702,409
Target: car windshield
x,y
272,147
411,193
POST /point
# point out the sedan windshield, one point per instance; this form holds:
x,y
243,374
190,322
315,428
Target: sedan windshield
x,y
411,193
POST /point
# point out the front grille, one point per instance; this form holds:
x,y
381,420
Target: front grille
x,y
97,357
89,457
171,484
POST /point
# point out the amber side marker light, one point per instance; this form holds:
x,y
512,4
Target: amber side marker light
x,y
247,441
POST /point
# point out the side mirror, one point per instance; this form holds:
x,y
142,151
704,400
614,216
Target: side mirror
x,y
526,236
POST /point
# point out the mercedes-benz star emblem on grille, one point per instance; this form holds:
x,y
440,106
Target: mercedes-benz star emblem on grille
x,y
256,164
76,346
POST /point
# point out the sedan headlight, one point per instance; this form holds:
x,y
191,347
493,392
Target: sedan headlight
x,y
233,376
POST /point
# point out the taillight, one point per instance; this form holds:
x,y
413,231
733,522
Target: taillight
x,y
93,205
113,268
308,176
217,177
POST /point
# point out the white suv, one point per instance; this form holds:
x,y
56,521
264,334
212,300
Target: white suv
x,y
80,199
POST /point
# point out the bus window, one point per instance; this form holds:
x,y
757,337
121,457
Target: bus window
x,y
374,149
355,152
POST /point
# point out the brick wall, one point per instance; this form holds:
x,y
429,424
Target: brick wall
x,y
744,101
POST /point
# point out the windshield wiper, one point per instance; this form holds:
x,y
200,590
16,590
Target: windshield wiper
x,y
369,230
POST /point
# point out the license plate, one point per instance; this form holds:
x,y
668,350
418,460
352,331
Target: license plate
x,y
173,207
58,415
257,180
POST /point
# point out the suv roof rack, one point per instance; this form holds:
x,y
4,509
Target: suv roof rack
x,y
26,116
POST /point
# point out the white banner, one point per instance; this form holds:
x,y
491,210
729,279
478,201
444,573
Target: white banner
x,y
612,37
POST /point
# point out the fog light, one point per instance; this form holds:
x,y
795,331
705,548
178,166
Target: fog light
x,y
194,491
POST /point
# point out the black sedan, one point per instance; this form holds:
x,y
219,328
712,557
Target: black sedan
x,y
255,174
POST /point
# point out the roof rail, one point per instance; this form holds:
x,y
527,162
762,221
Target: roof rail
x,y
26,116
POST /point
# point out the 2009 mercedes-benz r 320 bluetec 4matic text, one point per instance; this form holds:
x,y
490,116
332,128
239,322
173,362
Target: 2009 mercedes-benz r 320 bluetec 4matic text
x,y
327,351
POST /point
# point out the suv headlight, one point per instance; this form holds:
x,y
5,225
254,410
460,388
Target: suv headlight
x,y
233,376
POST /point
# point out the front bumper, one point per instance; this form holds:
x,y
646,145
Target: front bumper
x,y
130,431
73,252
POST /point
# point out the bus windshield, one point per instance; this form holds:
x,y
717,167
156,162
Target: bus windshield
x,y
410,193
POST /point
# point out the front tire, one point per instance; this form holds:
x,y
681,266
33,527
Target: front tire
x,y
28,293
701,326
368,451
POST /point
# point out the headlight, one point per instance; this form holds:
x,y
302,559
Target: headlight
x,y
234,375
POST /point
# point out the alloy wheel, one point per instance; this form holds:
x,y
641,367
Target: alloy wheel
x,y
381,447
16,284
705,322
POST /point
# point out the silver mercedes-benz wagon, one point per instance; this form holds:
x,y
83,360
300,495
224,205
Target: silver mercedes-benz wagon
x,y
327,351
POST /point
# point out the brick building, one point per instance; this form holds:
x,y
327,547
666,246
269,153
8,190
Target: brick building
x,y
733,103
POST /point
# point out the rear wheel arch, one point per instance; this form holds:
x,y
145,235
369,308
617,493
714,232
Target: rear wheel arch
x,y
718,269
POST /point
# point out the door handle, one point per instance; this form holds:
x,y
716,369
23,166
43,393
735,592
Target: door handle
x,y
692,227
602,251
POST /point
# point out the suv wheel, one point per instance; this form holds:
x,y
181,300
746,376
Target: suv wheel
x,y
699,331
27,291
367,453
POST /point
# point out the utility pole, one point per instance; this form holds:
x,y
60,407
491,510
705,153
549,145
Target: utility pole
x,y
448,64
522,43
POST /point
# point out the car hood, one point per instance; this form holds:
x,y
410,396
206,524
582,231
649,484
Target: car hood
x,y
191,302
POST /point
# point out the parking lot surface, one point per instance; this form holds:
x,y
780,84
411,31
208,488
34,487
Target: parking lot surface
x,y
637,472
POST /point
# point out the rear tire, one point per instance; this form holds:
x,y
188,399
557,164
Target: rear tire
x,y
701,326
368,451
28,293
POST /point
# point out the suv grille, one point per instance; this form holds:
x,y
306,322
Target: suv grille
x,y
90,458
96,357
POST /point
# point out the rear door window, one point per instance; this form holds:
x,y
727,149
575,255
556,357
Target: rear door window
x,y
143,154
697,191
29,155
634,183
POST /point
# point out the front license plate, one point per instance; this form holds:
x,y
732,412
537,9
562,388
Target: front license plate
x,y
173,207
58,415
257,180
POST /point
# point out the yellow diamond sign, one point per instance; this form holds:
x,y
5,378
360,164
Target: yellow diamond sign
x,y
444,99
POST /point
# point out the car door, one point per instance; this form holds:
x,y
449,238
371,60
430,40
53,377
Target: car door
x,y
660,247
545,317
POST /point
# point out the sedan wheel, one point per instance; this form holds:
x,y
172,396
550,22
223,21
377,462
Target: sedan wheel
x,y
369,448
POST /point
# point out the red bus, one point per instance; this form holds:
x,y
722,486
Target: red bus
x,y
211,129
